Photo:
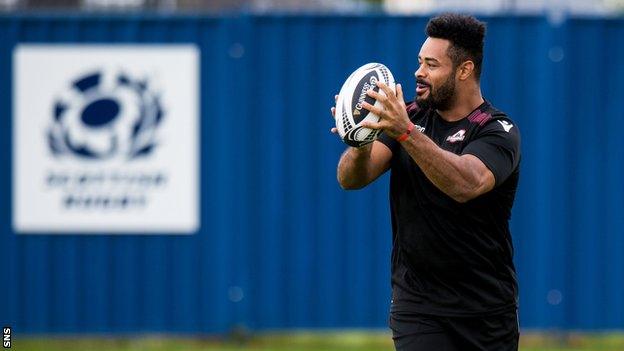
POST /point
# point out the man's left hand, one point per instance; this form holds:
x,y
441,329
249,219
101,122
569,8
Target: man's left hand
x,y
393,115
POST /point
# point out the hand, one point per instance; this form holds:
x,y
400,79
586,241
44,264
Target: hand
x,y
393,115
333,112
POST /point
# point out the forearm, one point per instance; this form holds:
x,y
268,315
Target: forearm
x,y
353,167
460,177
449,172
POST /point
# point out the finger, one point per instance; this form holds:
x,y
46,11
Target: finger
x,y
372,125
375,95
333,112
399,94
334,130
386,89
373,109
336,98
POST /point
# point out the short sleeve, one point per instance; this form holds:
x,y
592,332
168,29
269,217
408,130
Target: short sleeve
x,y
388,141
497,145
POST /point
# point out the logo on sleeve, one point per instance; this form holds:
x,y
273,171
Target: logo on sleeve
x,y
506,125
459,136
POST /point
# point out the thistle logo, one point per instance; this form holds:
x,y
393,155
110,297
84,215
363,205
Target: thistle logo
x,y
106,138
104,115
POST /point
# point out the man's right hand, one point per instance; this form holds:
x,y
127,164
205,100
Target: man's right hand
x,y
360,166
333,113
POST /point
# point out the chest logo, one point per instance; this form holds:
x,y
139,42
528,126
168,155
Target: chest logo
x,y
506,125
459,136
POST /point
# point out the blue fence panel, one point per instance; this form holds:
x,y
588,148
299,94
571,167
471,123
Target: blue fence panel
x,y
272,250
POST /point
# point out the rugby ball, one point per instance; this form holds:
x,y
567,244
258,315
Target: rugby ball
x,y
349,111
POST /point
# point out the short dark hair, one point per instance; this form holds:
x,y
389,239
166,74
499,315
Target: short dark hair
x,y
466,35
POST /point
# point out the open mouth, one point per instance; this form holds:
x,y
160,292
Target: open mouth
x,y
421,88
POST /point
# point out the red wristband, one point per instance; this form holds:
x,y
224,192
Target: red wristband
x,y
405,135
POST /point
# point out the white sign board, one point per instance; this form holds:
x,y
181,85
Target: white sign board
x,y
105,139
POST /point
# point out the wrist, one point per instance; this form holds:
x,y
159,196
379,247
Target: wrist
x,y
406,133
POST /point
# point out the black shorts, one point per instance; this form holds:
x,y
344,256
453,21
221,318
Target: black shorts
x,y
418,332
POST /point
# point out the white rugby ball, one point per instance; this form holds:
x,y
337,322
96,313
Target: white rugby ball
x,y
349,111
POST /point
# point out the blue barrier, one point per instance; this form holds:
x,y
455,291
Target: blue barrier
x,y
272,250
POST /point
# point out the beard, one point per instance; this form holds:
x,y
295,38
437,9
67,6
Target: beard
x,y
442,98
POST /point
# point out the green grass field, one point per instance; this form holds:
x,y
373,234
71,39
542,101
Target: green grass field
x,y
302,341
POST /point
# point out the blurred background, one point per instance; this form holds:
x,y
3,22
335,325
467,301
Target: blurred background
x,y
274,255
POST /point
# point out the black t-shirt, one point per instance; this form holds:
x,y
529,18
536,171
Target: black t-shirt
x,y
451,258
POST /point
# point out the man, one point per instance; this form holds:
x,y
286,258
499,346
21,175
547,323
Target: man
x,y
454,162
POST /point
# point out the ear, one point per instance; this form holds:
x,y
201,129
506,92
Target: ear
x,y
465,70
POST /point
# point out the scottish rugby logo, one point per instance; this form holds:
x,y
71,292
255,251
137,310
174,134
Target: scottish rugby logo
x,y
104,115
